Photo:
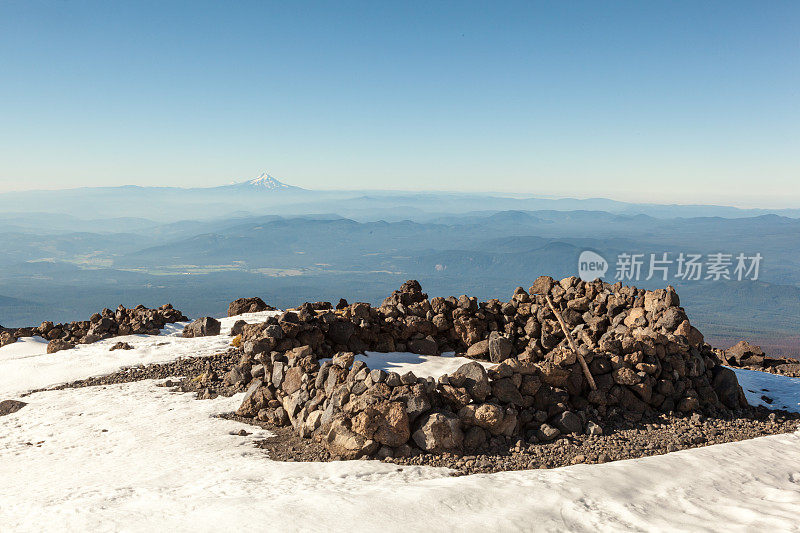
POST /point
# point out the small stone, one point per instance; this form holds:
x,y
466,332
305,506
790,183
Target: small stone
x,y
593,428
568,422
393,379
408,378
378,375
547,432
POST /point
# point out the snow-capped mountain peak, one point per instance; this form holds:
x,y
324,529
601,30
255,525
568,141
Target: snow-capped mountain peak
x,y
265,181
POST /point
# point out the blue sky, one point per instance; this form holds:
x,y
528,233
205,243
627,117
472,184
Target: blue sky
x,y
667,102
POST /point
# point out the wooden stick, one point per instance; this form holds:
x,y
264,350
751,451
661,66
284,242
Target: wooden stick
x,y
572,345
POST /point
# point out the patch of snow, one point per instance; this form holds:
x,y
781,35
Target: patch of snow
x,y
783,391
26,365
24,347
421,365
164,464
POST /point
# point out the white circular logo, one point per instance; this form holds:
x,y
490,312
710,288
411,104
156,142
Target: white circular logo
x,y
591,266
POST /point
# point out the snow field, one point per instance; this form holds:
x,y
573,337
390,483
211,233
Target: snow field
x,y
136,457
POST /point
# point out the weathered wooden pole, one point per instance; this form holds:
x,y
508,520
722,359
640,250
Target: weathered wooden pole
x,y
572,344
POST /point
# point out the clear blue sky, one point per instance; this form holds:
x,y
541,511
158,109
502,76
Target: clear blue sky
x,y
659,101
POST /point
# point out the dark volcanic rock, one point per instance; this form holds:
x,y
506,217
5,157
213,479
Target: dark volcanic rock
x,y
121,346
500,348
7,337
10,406
248,305
746,355
423,347
237,327
727,387
104,325
57,345
475,380
202,327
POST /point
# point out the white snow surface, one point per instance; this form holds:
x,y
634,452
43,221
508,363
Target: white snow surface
x,y
421,365
783,391
136,457
164,464
26,365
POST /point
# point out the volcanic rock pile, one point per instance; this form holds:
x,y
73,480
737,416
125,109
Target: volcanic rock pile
x,y
745,355
103,325
641,350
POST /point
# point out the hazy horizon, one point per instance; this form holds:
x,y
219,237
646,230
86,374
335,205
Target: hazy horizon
x,y
496,193
680,103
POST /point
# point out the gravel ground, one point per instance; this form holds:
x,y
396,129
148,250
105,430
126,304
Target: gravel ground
x,y
285,445
212,367
663,434
621,440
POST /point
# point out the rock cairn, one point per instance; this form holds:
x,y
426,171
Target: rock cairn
x,y
641,350
102,325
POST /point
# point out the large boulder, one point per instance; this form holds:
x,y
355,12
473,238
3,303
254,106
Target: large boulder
x,y
424,346
7,337
56,345
478,350
744,354
569,422
495,419
10,406
255,399
247,305
237,376
347,444
439,432
387,423
500,347
473,377
202,327
393,429
542,285
340,331
506,391
727,387
238,327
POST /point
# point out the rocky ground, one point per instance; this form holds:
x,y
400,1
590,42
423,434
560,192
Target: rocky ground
x,y
285,444
204,375
666,433
618,439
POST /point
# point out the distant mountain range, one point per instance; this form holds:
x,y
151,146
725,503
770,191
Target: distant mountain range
x,y
58,267
266,195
